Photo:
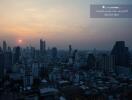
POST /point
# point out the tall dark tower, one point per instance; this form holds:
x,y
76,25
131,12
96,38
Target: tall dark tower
x,y
54,52
8,60
1,65
17,54
70,50
91,61
42,46
4,46
74,55
121,53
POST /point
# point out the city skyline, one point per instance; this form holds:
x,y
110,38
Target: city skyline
x,y
65,49
43,45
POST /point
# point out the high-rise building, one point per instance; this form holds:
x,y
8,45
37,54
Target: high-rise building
x,y
28,78
0,49
32,52
35,69
91,61
121,53
1,65
70,50
8,60
9,49
4,46
74,55
17,54
108,63
42,46
54,52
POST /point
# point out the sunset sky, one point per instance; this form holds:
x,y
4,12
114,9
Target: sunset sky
x,y
60,23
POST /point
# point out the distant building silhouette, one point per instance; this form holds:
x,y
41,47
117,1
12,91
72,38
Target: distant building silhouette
x,y
54,52
17,54
108,63
8,60
91,61
4,46
28,78
42,46
1,65
121,53
74,55
70,50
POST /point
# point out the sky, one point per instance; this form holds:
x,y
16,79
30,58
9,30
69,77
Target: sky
x,y
60,23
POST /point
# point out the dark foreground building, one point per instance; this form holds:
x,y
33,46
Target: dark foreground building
x,y
121,53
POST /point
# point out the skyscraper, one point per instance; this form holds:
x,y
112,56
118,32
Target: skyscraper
x,y
4,46
28,78
1,65
70,50
74,55
42,46
91,61
108,63
54,52
121,53
17,53
8,60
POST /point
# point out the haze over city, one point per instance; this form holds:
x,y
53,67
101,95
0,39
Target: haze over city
x,y
60,23
65,49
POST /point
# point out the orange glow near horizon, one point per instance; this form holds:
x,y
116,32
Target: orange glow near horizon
x,y
20,41
59,22
29,20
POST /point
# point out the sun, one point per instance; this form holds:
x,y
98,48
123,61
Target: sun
x,y
20,41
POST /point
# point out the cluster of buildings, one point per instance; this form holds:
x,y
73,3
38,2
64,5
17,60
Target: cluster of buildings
x,y
52,74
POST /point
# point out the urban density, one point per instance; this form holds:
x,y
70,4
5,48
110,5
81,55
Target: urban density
x,y
30,73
